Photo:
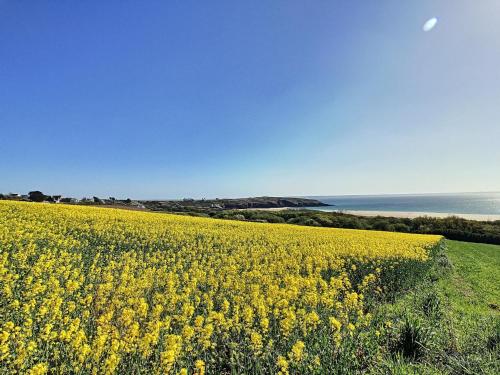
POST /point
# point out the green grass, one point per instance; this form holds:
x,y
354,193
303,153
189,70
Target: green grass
x,y
452,315
473,288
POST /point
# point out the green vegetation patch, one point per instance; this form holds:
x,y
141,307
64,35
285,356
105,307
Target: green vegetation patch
x,y
450,322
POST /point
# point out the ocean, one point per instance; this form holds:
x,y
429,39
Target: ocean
x,y
463,203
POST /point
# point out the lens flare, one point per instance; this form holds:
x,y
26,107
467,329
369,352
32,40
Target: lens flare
x,y
430,24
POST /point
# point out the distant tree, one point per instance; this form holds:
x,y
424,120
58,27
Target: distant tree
x,y
128,200
304,221
36,196
401,227
2,196
97,200
267,216
381,224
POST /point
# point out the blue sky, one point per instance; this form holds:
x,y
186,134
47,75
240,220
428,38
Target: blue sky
x,y
170,99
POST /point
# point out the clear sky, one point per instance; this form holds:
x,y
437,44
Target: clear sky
x,y
172,99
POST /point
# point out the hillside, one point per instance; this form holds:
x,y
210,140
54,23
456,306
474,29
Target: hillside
x,y
230,204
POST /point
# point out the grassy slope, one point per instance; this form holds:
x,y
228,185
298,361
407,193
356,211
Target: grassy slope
x,y
459,331
473,288
472,294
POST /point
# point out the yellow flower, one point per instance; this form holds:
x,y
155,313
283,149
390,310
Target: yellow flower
x,y
297,351
200,367
335,324
282,365
167,360
111,363
92,288
256,342
39,369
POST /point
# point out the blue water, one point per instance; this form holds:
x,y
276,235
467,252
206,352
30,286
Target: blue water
x,y
464,203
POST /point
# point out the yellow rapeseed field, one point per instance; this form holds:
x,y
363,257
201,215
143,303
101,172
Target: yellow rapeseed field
x,y
97,290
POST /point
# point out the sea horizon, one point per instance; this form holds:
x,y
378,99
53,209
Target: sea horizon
x,y
476,203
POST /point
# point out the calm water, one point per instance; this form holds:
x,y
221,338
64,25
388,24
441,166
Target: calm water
x,y
467,203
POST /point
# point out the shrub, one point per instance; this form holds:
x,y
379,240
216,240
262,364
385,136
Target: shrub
x,y
443,261
267,216
304,221
413,338
401,227
431,305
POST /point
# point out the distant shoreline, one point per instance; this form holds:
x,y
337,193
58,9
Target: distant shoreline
x,y
414,214
400,214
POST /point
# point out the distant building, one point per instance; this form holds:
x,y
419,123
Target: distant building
x,y
69,200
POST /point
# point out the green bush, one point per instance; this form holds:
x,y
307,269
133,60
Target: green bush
x,y
304,221
413,338
262,215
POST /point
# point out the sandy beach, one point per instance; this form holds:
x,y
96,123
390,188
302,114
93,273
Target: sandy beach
x,y
399,214
412,215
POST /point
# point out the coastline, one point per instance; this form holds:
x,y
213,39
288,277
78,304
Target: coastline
x,y
412,215
397,214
